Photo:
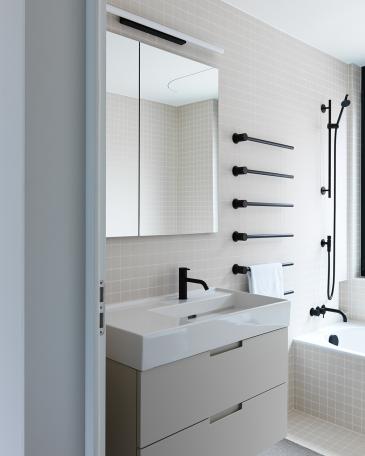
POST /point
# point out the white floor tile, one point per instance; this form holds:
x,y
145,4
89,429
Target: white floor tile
x,y
324,437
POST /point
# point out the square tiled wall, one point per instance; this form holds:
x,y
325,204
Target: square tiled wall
x,y
330,385
271,86
352,298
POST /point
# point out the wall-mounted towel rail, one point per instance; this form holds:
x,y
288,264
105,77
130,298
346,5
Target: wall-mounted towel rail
x,y
236,236
237,269
239,170
239,137
288,292
236,203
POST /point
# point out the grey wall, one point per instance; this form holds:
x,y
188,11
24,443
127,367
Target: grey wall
x,y
54,288
12,227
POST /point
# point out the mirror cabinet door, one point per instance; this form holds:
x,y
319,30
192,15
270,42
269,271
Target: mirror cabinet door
x,y
122,133
162,142
178,144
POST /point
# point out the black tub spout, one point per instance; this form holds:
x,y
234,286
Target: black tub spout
x,y
316,312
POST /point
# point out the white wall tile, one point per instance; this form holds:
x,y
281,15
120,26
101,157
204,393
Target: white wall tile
x,y
330,385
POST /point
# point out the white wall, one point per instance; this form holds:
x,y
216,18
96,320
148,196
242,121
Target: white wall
x,y
12,228
55,212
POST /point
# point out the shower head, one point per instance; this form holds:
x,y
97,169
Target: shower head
x,y
346,102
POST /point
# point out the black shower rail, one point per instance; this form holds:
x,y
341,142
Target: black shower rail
x,y
240,137
241,170
236,236
237,269
236,203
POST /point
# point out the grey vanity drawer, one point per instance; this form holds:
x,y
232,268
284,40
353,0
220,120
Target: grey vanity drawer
x,y
178,395
246,429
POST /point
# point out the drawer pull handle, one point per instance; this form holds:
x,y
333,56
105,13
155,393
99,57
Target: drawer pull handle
x,y
226,348
219,416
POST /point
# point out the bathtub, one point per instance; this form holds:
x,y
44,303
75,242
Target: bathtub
x,y
329,380
351,338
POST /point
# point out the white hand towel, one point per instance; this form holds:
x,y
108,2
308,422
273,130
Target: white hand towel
x,y
266,279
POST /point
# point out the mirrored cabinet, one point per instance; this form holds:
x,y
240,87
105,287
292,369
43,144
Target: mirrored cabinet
x,y
122,136
162,142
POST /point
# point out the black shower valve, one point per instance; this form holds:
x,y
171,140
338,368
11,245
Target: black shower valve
x,y
327,243
316,312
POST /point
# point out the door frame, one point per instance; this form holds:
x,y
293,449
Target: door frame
x,y
95,239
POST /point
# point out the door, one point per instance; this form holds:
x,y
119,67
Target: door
x,y
95,228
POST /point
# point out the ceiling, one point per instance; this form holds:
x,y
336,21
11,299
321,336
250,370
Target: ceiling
x,y
165,77
336,27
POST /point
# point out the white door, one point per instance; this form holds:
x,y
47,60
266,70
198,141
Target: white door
x,y
95,228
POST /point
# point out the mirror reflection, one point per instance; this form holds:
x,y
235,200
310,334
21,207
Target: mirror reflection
x,y
168,170
122,136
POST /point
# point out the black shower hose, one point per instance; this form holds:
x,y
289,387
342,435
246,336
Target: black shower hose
x,y
331,289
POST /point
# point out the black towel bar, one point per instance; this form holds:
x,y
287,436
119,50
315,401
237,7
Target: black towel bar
x,y
237,269
289,292
239,137
236,203
236,236
240,170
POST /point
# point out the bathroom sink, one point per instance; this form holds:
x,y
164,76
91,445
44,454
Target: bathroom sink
x,y
150,332
201,305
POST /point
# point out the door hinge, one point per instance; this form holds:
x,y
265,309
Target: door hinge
x,y
101,308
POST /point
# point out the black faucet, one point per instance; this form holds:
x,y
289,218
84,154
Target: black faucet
x,y
183,283
318,311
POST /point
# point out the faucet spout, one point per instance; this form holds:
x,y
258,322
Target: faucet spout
x,y
325,309
183,283
201,282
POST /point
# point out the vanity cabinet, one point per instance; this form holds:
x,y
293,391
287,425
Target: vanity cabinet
x,y
228,400
246,431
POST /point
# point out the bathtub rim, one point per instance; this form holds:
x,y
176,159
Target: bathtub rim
x,y
305,338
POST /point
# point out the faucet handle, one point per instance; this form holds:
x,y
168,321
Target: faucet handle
x,y
315,312
184,269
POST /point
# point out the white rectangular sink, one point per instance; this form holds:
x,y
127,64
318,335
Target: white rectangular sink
x,y
147,333
198,306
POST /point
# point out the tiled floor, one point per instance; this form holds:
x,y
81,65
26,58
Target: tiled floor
x,y
287,448
325,438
